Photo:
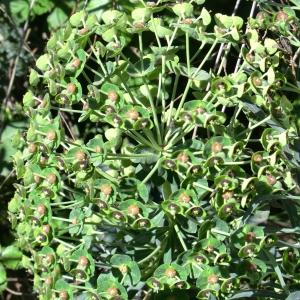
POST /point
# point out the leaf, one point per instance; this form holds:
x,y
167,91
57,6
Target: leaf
x,y
3,282
143,191
183,9
205,16
11,257
42,6
295,295
57,18
19,9
142,67
156,27
97,7
254,294
43,62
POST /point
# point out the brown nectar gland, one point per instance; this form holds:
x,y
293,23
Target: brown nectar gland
x,y
261,16
63,295
71,88
227,195
46,229
257,158
49,258
37,178
106,189
187,21
257,81
133,210
216,147
200,110
170,272
212,279
112,291
75,63
80,155
139,25
48,280
123,269
271,179
132,114
252,267
51,135
98,149
51,178
183,158
281,16
113,96
184,197
250,236
83,30
41,209
32,148
83,261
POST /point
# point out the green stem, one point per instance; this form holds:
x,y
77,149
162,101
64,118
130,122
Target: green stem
x,y
154,169
203,187
157,249
255,125
178,232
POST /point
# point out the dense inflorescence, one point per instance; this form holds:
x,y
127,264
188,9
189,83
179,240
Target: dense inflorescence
x,y
150,169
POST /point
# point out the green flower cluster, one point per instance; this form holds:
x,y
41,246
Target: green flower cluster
x,y
145,172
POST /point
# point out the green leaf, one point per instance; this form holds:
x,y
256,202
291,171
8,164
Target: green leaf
x,y
11,257
42,6
155,25
76,19
57,18
205,16
183,9
295,295
43,62
3,278
19,10
143,191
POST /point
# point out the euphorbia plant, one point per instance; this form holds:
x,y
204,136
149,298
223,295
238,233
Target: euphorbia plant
x,y
145,173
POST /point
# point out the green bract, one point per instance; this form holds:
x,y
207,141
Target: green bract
x,y
146,171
